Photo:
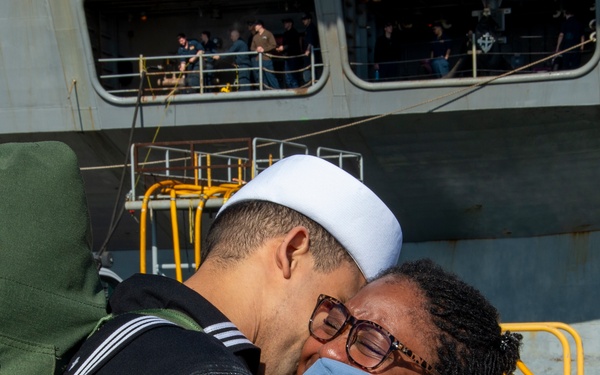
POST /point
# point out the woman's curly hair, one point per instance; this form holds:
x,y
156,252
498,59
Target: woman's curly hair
x,y
469,338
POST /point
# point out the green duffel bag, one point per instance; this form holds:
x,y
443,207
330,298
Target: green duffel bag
x,y
51,297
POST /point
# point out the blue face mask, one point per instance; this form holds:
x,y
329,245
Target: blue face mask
x,y
326,366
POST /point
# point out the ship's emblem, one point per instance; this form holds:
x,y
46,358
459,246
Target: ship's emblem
x,y
486,41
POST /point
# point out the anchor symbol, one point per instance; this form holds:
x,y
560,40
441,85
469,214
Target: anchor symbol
x,y
485,42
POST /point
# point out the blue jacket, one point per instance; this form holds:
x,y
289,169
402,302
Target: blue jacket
x,y
192,48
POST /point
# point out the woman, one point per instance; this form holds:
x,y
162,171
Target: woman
x,y
414,319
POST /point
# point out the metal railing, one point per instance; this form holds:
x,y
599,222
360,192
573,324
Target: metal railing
x,y
188,162
472,61
272,150
164,76
343,158
557,329
199,175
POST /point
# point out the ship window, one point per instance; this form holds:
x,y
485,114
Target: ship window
x,y
129,36
396,41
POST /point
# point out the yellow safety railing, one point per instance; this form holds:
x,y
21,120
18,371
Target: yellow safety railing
x,y
174,190
556,329
179,172
143,219
524,369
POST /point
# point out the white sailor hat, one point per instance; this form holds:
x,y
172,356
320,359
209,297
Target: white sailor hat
x,y
343,205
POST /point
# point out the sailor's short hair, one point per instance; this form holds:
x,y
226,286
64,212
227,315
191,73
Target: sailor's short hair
x,y
340,203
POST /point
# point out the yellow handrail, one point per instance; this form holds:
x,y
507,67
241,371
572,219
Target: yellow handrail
x,y
578,343
554,328
521,366
208,171
175,229
174,189
143,214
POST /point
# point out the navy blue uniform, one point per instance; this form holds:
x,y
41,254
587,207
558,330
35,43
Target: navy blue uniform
x,y
170,349
192,48
242,62
572,31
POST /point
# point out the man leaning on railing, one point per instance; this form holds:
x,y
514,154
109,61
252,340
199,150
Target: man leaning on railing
x,y
242,61
190,48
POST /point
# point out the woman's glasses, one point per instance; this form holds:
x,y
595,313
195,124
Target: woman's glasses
x,y
368,344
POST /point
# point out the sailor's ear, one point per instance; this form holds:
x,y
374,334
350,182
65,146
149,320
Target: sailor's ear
x,y
294,245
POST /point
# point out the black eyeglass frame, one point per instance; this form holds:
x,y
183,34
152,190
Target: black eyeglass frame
x,y
354,323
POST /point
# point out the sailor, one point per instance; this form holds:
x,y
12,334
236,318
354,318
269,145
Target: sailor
x,y
440,51
571,34
265,44
300,228
310,45
193,48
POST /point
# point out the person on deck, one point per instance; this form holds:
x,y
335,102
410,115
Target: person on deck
x,y
387,54
290,48
241,62
440,52
264,43
571,34
209,47
310,46
190,65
